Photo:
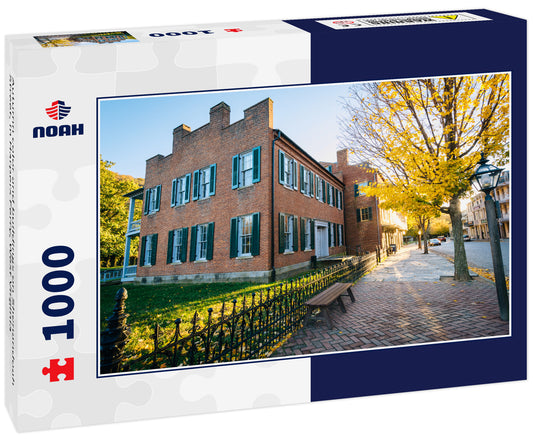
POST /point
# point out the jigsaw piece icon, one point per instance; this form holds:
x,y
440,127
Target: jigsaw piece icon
x,y
55,369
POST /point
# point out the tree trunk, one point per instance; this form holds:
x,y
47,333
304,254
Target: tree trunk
x,y
459,258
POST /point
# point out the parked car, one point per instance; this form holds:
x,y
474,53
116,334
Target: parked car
x,y
466,238
434,242
441,238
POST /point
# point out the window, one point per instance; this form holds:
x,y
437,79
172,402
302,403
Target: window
x,y
287,171
340,238
288,233
244,239
204,181
339,199
307,180
364,214
307,233
330,195
320,189
177,246
357,188
148,250
152,199
246,168
180,190
202,242
331,227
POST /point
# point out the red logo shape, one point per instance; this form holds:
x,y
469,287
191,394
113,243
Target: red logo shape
x,y
58,110
55,369
233,30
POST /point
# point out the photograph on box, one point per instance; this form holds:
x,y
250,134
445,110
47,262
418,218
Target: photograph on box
x,y
278,222
51,41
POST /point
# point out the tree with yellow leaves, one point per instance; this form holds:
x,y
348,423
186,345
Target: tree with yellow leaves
x,y
426,137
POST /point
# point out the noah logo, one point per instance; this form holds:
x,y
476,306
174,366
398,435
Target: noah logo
x,y
57,111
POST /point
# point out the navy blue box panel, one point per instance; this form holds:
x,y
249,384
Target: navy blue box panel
x,y
413,51
416,368
396,52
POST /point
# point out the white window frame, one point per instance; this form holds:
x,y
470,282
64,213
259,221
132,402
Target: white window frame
x,y
332,235
289,233
204,182
148,251
288,172
339,228
244,180
181,187
244,244
201,242
319,190
177,243
307,235
330,194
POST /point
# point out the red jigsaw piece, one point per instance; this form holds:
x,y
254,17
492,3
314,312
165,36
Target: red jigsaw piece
x,y
56,369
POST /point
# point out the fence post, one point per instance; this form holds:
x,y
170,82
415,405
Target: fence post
x,y
113,340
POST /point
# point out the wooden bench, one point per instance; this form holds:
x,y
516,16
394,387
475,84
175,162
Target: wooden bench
x,y
326,297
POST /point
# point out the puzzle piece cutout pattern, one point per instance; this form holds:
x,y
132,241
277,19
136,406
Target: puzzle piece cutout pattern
x,y
55,369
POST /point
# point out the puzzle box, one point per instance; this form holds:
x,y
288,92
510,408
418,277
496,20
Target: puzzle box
x,y
202,190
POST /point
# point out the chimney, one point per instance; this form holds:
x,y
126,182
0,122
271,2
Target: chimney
x,y
261,112
219,115
179,133
342,158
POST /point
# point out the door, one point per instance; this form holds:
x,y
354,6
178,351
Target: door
x,y
321,240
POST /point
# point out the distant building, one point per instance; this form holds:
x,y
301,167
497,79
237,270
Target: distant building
x,y
476,216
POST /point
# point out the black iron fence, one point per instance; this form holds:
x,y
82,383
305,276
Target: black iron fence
x,y
243,330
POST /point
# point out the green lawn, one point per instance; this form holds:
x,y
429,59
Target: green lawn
x,y
163,303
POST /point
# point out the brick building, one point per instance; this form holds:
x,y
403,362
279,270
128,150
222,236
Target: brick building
x,y
367,225
234,202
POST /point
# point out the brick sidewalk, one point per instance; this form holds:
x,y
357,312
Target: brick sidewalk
x,y
389,313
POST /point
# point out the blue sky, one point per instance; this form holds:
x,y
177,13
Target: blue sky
x,y
135,129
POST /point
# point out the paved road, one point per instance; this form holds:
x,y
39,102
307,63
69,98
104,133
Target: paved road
x,y
478,253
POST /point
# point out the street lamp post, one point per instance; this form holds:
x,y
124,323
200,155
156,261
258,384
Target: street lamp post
x,y
485,179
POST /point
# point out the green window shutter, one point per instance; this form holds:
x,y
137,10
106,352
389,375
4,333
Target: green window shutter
x,y
212,179
358,214
235,172
312,183
234,240
317,180
335,234
154,249
187,188
281,169
147,201
301,178
356,190
295,234
195,184
323,190
302,233
281,233
192,252
173,194
210,240
255,234
158,198
294,175
170,245
256,172
329,168
143,250
184,236
312,234
370,213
